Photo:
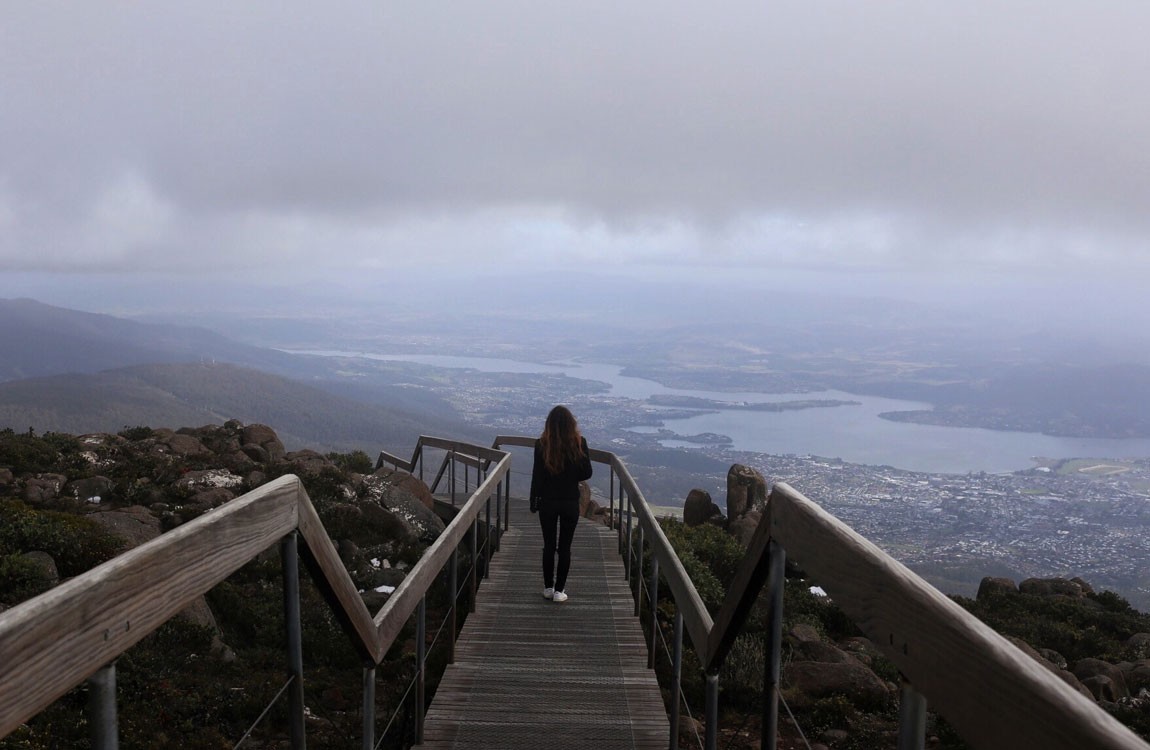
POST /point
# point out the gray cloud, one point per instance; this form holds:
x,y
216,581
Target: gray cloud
x,y
906,134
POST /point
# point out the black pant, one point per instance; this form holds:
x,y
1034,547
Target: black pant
x,y
565,522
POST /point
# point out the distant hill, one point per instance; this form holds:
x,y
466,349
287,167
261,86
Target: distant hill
x,y
38,339
174,395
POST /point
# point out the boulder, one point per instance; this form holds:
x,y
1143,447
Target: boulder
x,y
746,491
135,524
1114,686
43,488
1057,664
208,479
992,586
1138,645
307,462
45,564
804,633
406,482
212,498
699,508
851,678
266,438
184,445
6,477
743,528
92,489
1052,587
1136,675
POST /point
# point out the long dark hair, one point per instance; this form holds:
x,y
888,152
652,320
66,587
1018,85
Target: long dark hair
x,y
562,444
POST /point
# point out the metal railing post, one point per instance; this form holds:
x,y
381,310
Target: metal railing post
x,y
453,582
619,528
498,516
474,563
630,545
507,502
911,719
105,728
711,741
289,555
611,497
776,582
369,707
451,474
487,542
639,573
421,665
653,605
677,677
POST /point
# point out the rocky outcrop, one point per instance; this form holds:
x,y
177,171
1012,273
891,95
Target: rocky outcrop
x,y
699,508
1052,587
746,491
991,586
42,489
262,441
1104,680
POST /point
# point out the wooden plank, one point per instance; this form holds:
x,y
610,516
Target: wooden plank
x,y
995,695
336,585
531,672
54,641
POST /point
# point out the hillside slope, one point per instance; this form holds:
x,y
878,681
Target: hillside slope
x,y
38,339
201,393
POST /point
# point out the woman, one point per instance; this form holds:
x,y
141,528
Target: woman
x,y
562,461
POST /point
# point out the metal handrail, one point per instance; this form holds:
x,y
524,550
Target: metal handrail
x,y
55,641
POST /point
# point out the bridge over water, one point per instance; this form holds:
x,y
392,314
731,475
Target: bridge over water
x,y
532,673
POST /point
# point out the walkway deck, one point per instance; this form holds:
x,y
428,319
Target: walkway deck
x,y
530,673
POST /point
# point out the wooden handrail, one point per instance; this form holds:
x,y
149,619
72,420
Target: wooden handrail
x,y
54,641
969,672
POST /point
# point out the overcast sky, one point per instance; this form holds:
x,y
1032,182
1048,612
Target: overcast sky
x,y
231,136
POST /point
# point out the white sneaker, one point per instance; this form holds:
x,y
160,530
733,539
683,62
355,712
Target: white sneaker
x,y
558,596
548,592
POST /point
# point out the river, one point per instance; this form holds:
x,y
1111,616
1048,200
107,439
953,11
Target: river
x,y
853,433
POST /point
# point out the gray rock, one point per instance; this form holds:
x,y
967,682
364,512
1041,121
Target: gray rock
x,y
195,481
852,678
1087,669
804,633
307,462
992,586
743,528
45,563
404,481
43,488
698,508
399,493
266,438
746,491
212,498
134,524
88,490
1138,645
1137,676
1051,587
184,445
6,477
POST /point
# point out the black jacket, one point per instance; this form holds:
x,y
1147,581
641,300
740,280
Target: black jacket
x,y
558,491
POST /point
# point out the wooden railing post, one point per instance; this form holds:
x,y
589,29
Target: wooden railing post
x,y
105,729
289,555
